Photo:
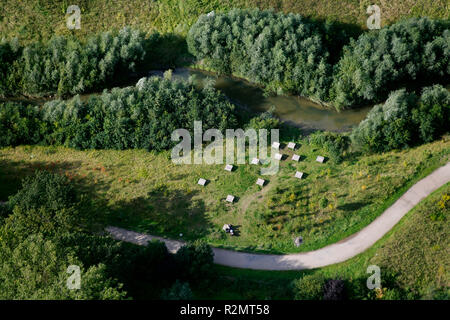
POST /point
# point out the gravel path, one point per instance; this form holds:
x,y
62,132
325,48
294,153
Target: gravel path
x,y
335,253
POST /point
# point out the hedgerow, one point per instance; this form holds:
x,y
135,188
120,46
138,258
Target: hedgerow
x,y
378,62
141,117
66,66
404,120
281,52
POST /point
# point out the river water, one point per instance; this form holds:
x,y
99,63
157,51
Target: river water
x,y
296,110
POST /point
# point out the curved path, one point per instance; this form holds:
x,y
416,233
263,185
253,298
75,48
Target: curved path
x,y
338,252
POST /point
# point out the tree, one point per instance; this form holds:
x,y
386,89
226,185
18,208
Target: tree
x,y
195,261
404,120
380,62
283,52
46,204
179,291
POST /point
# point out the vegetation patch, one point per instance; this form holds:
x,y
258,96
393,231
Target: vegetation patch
x,y
146,192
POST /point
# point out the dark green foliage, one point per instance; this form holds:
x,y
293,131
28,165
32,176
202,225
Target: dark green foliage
x,y
35,268
405,120
266,120
335,144
10,71
46,204
195,261
323,202
334,289
415,50
4,212
283,52
142,117
179,291
19,124
432,115
309,287
67,66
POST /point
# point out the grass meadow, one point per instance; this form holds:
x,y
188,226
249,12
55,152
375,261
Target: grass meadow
x,y
146,192
38,19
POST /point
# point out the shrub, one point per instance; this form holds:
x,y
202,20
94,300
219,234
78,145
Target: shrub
x,y
432,114
141,117
179,291
323,202
19,124
309,287
195,261
10,71
382,61
404,120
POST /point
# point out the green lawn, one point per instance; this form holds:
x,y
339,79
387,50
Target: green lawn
x,y
413,257
146,192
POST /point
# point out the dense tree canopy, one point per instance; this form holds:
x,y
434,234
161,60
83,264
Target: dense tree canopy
x,y
141,117
44,230
405,120
281,52
67,66
136,117
415,50
286,52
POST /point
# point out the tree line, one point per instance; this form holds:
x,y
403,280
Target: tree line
x,y
67,66
288,53
405,120
140,117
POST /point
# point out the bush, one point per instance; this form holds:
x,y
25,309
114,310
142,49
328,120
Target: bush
x,y
432,114
283,52
46,204
179,291
67,66
10,71
309,287
381,61
323,202
141,117
19,124
195,261
335,144
264,121
404,120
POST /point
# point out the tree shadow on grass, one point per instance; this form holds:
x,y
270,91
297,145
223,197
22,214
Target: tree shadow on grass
x,y
352,206
13,172
163,212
